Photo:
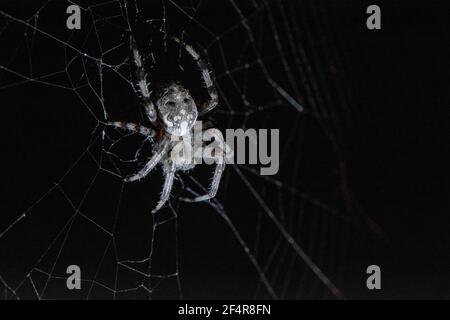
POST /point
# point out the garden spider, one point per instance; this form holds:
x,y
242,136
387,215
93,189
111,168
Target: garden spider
x,y
173,121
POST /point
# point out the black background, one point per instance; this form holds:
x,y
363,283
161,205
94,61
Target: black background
x,y
388,160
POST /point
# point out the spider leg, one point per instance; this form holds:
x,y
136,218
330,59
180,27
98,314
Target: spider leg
x,y
212,189
142,85
219,158
212,92
133,127
155,159
169,172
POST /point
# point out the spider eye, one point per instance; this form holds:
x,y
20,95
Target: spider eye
x,y
186,100
171,104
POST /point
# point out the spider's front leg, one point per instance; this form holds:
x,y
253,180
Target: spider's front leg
x,y
213,188
218,157
169,172
155,159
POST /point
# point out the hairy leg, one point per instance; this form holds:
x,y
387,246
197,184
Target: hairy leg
x,y
156,158
141,82
212,189
219,158
169,172
212,92
133,127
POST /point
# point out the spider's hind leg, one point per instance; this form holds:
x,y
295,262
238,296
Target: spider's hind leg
x,y
203,66
141,81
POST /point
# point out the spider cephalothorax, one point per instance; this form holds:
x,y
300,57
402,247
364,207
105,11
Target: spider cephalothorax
x,y
177,110
173,119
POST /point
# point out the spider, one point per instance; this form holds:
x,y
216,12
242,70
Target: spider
x,y
173,118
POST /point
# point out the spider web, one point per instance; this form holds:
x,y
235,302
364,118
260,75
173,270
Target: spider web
x,y
281,236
